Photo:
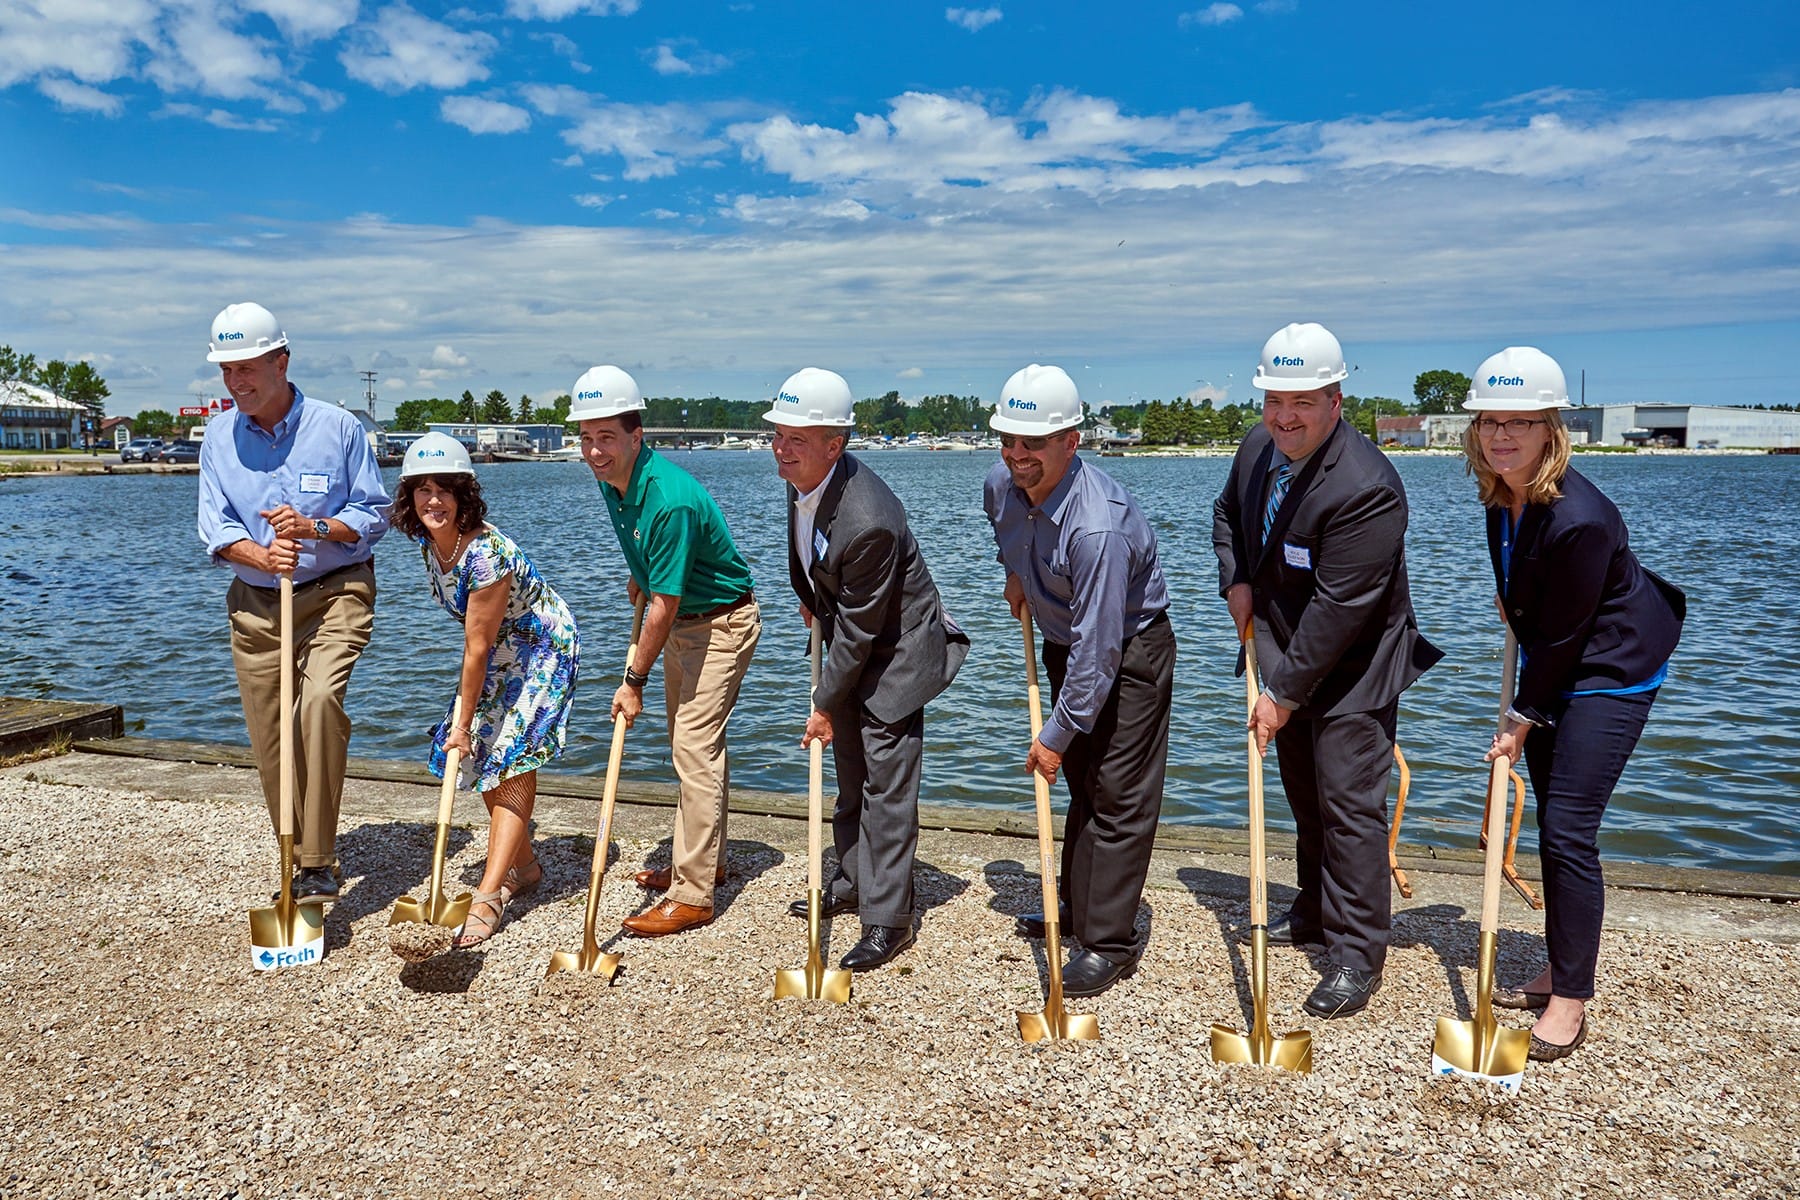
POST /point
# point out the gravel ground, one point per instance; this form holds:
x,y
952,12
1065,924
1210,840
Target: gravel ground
x,y
144,1057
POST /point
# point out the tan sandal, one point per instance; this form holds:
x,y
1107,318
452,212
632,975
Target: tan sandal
x,y
517,884
478,928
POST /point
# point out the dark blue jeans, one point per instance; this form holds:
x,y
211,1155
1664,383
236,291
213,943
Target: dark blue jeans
x,y
1574,766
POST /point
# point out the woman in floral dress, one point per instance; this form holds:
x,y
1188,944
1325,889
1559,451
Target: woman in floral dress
x,y
520,652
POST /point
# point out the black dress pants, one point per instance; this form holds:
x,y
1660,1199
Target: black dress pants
x,y
1335,773
1115,778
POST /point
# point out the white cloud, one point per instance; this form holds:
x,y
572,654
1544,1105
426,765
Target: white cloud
x,y
218,117
972,19
1212,14
566,48
910,373
306,20
653,139
1391,230
79,97
93,41
664,60
556,10
381,360
594,200
484,116
1273,8
402,50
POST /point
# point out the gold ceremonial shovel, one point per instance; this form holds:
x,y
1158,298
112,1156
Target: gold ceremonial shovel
x,y
1480,1049
287,934
813,981
442,916
588,960
1055,1022
1291,1051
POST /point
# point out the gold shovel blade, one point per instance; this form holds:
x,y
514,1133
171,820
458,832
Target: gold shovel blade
x,y
1047,1026
286,935
604,965
1291,1051
436,910
1457,1050
832,986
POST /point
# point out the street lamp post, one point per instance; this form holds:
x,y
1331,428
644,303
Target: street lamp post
x,y
684,437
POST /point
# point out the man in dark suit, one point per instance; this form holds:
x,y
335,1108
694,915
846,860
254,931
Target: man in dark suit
x,y
1310,533
889,648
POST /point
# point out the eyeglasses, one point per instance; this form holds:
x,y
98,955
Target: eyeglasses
x,y
1517,427
1032,444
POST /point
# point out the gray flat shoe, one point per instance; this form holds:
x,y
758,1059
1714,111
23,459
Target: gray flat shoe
x,y
1519,998
1542,1051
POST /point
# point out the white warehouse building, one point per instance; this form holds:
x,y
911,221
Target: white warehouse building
x,y
1694,426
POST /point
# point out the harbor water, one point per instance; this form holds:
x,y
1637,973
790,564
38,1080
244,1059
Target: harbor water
x,y
105,595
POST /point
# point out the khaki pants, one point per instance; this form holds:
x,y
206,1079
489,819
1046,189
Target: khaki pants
x,y
332,620
703,666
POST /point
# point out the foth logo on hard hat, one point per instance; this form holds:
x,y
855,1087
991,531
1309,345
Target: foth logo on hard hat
x,y
229,336
1023,405
1283,360
1506,381
430,454
787,397
587,395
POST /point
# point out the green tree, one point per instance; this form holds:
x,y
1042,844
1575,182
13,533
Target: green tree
x,y
556,414
496,409
417,414
9,363
1361,411
1440,391
55,376
153,422
525,409
469,411
85,386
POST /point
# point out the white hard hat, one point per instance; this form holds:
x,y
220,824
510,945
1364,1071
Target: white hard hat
x,y
436,454
243,331
1037,400
1300,358
1518,379
812,396
604,392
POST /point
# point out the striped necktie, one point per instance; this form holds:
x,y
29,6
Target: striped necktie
x,y
1284,475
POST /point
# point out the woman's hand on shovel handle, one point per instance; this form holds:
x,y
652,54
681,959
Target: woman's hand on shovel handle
x,y
1511,743
458,739
1043,760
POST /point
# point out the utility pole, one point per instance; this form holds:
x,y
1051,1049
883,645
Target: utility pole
x,y
368,378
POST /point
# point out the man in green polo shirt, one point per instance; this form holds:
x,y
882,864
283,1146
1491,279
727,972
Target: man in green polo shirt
x,y
701,610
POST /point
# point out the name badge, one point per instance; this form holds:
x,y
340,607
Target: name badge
x,y
315,485
819,545
1297,556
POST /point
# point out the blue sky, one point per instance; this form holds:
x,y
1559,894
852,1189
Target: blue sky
x,y
921,197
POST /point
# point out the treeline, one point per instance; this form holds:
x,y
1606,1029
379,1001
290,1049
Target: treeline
x,y
882,415
493,409
1184,422
68,381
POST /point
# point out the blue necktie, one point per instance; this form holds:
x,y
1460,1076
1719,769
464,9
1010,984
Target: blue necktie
x,y
1284,475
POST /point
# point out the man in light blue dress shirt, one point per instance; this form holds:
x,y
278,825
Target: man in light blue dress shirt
x,y
1080,555
289,486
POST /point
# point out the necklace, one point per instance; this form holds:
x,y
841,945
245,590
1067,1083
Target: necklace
x,y
456,554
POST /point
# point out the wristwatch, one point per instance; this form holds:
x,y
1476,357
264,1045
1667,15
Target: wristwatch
x,y
321,528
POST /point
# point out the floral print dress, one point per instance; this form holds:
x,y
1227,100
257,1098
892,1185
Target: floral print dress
x,y
521,719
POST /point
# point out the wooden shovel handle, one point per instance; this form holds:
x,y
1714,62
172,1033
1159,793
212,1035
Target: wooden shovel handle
x,y
286,817
1259,878
815,779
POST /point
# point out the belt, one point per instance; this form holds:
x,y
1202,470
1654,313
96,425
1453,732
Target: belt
x,y
325,578
721,610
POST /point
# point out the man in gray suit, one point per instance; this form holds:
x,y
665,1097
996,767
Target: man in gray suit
x,y
889,647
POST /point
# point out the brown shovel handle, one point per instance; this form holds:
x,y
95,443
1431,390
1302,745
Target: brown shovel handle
x,y
286,817
1046,835
815,782
1259,877
610,793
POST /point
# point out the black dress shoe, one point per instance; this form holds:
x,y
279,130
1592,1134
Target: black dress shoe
x,y
833,906
1089,974
1283,932
317,885
879,944
1031,924
1343,992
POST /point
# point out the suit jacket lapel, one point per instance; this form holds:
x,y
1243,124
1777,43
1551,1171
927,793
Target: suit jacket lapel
x,y
798,574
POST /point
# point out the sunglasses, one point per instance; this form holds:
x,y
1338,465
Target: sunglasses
x,y
1032,444
1517,427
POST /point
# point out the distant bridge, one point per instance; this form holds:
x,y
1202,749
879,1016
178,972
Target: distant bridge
x,y
710,432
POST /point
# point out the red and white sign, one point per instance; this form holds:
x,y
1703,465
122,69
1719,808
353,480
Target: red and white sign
x,y
193,410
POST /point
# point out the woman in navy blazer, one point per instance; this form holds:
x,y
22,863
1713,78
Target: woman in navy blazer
x,y
1595,630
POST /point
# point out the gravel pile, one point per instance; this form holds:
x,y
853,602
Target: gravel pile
x,y
416,941
142,1056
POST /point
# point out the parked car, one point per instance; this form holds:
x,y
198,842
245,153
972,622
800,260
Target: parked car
x,y
138,449
182,450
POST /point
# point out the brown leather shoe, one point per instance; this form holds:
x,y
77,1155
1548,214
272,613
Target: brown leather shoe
x,y
671,916
660,879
